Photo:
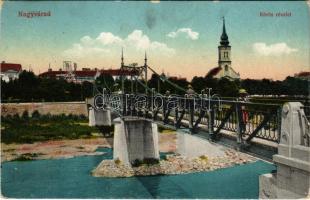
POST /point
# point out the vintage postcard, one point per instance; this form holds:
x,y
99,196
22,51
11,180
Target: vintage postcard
x,y
155,99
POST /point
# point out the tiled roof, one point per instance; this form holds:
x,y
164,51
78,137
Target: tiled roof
x,y
89,73
118,72
303,74
214,71
10,66
52,73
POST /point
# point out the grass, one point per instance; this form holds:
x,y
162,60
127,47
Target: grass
x,y
27,129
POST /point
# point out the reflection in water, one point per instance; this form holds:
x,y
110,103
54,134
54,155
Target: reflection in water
x,y
152,184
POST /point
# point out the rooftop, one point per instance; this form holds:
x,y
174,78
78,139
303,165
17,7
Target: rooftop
x,y
4,67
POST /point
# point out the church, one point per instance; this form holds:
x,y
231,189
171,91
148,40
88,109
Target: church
x,y
224,68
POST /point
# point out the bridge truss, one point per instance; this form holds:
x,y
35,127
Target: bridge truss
x,y
195,112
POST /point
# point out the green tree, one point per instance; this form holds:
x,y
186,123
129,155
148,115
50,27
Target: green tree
x,y
227,88
199,83
106,81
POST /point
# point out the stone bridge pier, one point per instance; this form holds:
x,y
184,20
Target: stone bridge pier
x,y
98,117
135,139
292,179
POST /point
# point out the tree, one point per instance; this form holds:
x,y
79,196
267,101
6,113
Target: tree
x,y
227,88
106,81
212,83
154,82
198,83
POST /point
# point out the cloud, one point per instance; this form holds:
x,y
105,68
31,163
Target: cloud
x,y
108,38
138,40
79,51
184,31
87,41
273,49
107,42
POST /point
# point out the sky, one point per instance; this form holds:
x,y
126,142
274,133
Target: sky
x,y
180,38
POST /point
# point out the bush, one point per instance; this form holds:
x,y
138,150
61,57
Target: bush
x,y
47,127
117,161
16,118
25,115
36,114
82,117
26,157
150,161
137,163
46,117
146,161
204,158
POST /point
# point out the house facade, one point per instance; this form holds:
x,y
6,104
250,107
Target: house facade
x,y
9,71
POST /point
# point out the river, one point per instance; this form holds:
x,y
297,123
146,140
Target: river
x,y
71,178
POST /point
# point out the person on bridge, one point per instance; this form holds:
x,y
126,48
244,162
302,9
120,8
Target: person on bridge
x,y
190,94
117,89
243,97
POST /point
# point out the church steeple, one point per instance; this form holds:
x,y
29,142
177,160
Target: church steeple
x,y
224,37
145,59
122,58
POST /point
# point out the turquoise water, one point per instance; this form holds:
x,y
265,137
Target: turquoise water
x,y
71,178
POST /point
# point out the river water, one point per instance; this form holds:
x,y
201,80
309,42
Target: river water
x,y
71,178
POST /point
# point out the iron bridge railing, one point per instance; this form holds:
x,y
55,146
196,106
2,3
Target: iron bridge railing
x,y
245,119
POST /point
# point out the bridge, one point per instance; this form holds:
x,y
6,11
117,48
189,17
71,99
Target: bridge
x,y
277,132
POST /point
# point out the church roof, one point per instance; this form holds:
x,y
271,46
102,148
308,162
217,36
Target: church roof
x,y
303,75
214,71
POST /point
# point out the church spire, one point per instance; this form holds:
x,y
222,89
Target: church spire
x,y
122,58
224,37
145,59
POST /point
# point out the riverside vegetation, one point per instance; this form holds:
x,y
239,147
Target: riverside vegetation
x,y
26,129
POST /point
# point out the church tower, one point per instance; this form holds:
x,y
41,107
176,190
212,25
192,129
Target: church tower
x,y
224,53
224,68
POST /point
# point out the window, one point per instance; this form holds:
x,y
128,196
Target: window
x,y
225,54
226,67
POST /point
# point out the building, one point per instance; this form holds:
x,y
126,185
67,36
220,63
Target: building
x,y
303,75
10,71
175,78
224,68
79,76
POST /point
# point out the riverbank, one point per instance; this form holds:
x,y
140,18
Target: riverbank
x,y
55,149
171,163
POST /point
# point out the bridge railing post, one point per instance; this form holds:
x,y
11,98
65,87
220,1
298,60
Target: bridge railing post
x,y
190,109
240,123
211,116
292,178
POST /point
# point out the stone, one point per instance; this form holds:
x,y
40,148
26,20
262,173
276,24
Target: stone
x,y
135,139
292,179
